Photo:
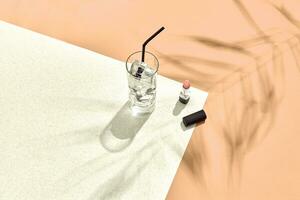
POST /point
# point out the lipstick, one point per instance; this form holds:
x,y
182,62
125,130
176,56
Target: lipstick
x,y
184,95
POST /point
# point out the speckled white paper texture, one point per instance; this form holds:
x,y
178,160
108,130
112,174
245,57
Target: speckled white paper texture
x,y
66,132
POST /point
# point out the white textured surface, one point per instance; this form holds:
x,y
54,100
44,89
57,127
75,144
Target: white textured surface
x,y
58,105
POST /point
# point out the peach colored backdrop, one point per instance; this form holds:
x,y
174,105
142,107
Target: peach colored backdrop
x,y
246,53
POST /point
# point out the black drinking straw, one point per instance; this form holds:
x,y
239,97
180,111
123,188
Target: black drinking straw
x,y
148,40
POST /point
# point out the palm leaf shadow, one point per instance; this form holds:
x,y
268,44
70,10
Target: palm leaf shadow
x,y
257,115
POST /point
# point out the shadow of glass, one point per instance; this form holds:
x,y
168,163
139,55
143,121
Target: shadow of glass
x,y
122,129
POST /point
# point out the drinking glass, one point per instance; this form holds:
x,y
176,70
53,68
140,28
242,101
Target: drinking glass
x,y
142,82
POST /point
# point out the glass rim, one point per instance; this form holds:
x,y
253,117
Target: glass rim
x,y
141,52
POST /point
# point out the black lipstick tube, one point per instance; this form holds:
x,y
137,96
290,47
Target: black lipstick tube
x,y
194,118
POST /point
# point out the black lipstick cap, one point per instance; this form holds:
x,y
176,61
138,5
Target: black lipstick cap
x,y
194,118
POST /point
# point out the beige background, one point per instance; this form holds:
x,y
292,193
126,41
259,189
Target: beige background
x,y
245,53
